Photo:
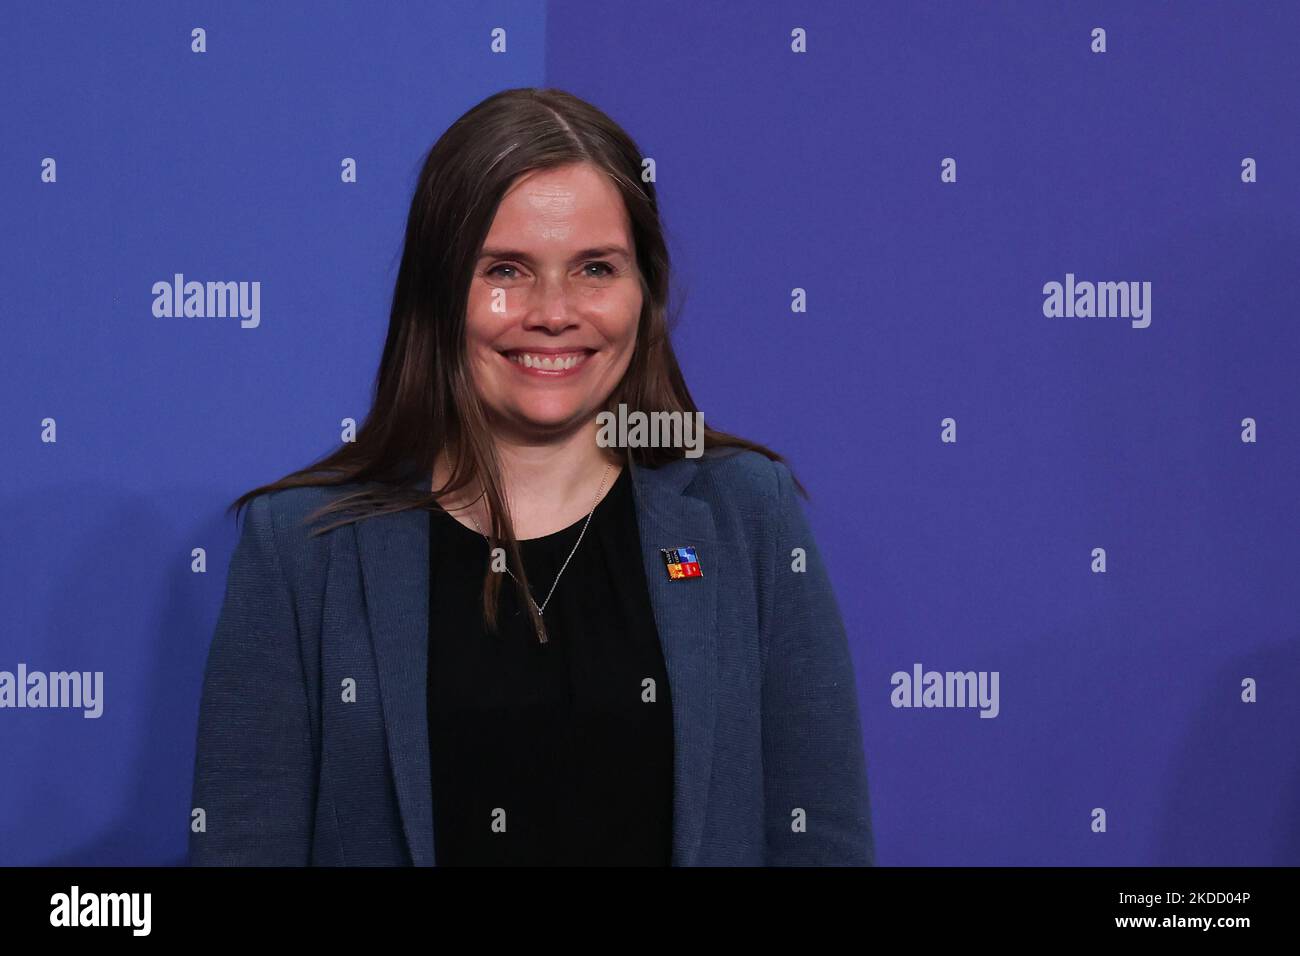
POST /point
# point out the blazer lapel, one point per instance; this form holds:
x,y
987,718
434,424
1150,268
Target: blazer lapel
x,y
686,618
394,555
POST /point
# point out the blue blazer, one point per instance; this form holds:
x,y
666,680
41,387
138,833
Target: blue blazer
x,y
768,760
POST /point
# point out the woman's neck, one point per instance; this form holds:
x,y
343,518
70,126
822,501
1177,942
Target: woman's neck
x,y
548,486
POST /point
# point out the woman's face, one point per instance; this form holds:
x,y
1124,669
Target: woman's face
x,y
554,303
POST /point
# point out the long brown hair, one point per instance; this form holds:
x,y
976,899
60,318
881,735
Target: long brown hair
x,y
424,401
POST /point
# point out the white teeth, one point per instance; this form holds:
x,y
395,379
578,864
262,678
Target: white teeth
x,y
546,362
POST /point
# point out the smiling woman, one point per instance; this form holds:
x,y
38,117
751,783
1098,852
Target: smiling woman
x,y
390,689
557,295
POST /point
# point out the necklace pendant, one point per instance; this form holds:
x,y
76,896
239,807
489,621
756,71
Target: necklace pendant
x,y
541,608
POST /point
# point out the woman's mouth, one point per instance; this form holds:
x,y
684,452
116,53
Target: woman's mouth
x,y
548,364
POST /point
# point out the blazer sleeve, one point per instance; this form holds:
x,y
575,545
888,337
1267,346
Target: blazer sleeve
x,y
255,771
813,759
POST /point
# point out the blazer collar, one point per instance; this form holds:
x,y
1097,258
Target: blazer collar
x,y
394,557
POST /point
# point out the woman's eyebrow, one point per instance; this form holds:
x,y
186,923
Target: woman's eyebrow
x,y
595,252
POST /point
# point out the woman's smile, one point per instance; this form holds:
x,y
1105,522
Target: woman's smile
x,y
548,363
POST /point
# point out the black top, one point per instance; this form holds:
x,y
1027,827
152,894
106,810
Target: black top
x,y
557,753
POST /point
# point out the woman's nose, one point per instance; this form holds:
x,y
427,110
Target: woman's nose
x,y
552,308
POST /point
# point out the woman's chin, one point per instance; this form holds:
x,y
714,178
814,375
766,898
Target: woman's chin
x,y
550,419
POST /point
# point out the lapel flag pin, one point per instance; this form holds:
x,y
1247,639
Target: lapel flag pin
x,y
681,563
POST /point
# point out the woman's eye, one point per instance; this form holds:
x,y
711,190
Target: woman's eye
x,y
603,270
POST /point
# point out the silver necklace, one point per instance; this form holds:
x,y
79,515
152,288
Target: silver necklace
x,y
541,609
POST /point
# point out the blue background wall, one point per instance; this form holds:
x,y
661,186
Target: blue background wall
x,y
777,170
